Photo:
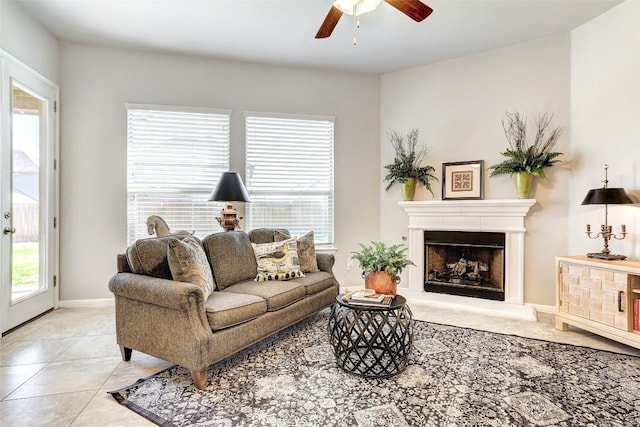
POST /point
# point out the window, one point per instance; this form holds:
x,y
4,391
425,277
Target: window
x,y
175,157
289,161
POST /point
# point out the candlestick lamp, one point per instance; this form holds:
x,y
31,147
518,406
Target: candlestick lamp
x,y
606,196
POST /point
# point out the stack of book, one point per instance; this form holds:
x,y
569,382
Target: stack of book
x,y
368,298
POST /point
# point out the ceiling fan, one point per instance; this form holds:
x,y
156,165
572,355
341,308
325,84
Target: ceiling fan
x,y
414,9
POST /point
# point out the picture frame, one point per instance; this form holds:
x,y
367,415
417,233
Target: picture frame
x,y
463,180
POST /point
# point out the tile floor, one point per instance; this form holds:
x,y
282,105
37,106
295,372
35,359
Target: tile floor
x,y
56,371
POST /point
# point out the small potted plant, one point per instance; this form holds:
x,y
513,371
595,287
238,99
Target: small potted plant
x,y
407,168
523,159
381,266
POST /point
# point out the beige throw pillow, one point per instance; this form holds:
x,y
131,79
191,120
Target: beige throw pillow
x,y
188,263
306,251
277,260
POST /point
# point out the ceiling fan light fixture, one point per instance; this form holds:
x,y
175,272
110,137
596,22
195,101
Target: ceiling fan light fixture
x,y
359,6
414,9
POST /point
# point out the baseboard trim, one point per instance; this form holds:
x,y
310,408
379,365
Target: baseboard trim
x,y
86,303
547,309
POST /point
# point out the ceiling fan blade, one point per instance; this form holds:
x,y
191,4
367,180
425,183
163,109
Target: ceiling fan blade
x,y
329,23
414,9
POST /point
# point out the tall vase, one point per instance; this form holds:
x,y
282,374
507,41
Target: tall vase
x,y
408,189
523,184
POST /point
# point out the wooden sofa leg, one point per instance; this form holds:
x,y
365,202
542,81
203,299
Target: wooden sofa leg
x,y
199,378
126,353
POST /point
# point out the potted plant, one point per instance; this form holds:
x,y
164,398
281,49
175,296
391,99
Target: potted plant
x,y
407,168
527,160
381,266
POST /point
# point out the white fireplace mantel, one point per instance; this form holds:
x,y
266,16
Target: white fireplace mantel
x,y
505,216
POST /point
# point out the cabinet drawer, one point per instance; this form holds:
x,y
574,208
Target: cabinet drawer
x,y
594,293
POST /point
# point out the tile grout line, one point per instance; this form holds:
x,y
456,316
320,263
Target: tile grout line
x,y
6,398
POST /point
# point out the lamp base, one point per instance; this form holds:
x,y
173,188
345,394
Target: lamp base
x,y
607,257
229,219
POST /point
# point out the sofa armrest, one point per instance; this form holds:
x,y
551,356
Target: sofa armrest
x,y
163,318
165,293
325,262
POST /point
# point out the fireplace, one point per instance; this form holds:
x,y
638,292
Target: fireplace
x,y
465,263
505,217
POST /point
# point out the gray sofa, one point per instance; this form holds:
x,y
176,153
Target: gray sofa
x,y
171,320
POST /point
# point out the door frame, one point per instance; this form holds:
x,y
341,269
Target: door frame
x,y
51,180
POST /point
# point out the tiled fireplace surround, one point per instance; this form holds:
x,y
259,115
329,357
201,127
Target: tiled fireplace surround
x,y
504,216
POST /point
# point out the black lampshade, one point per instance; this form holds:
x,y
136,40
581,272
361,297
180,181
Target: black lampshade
x,y
607,196
229,189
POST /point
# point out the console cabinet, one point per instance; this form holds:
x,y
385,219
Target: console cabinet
x,y
597,296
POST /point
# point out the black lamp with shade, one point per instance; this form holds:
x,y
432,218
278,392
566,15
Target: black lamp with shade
x,y
229,189
607,196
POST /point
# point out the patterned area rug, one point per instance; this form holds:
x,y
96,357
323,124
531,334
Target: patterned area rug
x,y
456,377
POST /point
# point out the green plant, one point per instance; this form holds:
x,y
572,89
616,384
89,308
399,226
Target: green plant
x,y
380,257
408,162
522,156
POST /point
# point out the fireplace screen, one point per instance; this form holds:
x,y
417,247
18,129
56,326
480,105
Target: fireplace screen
x,y
465,263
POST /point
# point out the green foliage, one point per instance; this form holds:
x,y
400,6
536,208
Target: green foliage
x,y
25,264
522,156
408,162
380,257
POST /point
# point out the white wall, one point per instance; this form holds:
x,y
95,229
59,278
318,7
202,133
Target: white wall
x,y
27,40
605,121
588,79
97,82
458,106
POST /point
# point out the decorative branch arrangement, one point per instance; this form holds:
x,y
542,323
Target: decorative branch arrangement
x,y
408,162
522,156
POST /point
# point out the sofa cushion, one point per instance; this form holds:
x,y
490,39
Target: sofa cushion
x,y
306,250
231,257
315,282
226,309
149,256
188,263
265,235
277,260
278,294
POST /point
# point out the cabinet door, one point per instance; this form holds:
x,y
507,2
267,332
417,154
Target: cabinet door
x,y
595,294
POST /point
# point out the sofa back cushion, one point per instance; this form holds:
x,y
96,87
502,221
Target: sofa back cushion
x,y
149,256
265,235
231,257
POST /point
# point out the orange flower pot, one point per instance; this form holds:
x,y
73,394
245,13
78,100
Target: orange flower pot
x,y
381,283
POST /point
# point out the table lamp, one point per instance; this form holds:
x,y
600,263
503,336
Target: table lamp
x,y
606,196
229,189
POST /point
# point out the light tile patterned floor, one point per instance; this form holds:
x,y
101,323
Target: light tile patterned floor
x,y
56,370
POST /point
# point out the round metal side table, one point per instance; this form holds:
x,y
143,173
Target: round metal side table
x,y
373,342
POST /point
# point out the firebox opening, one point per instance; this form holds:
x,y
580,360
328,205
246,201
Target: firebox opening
x,y
465,263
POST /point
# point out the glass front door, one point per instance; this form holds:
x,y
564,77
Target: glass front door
x,y
29,195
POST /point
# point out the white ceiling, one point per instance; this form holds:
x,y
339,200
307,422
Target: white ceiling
x,y
282,31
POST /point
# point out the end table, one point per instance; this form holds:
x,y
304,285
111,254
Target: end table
x,y
373,342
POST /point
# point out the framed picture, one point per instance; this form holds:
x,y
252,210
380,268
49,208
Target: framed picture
x,y
463,180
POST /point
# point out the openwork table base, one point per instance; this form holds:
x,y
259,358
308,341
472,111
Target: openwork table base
x,y
370,341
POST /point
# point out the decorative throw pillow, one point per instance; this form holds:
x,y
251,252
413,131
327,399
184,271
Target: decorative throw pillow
x,y
306,251
188,263
277,260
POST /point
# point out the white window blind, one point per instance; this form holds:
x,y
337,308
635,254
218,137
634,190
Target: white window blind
x,y
175,157
289,174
